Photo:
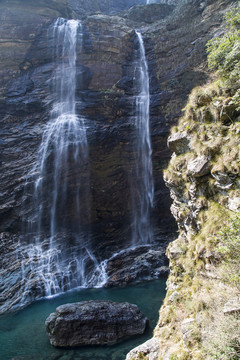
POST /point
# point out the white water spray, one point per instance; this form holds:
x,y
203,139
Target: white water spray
x,y
143,202
59,255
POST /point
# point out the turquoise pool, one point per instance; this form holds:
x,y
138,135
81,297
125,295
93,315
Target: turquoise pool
x,y
23,335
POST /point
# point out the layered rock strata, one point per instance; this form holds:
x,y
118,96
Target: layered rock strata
x,y
175,50
105,97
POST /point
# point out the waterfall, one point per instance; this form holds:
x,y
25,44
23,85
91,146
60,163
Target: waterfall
x,y
58,256
65,135
142,201
154,1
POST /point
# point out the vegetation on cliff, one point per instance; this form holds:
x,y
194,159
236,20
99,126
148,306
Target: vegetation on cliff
x,y
200,316
224,54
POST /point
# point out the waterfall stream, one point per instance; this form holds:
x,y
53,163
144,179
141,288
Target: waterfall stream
x,y
143,200
58,254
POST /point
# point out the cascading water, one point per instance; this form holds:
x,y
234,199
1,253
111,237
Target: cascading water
x,y
58,255
144,193
155,1
152,1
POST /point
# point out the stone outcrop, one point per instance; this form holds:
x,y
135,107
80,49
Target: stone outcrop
x,y
203,178
187,327
94,323
134,265
149,350
179,143
199,166
232,306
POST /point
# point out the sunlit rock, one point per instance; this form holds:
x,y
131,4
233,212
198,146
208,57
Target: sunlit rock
x,y
150,350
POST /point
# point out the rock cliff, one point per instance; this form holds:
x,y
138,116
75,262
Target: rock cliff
x,y
203,178
105,97
175,41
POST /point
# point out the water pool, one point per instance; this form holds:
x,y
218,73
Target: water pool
x,y
23,335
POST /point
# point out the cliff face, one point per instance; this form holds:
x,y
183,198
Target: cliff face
x,y
175,50
104,89
105,97
199,318
107,7
203,178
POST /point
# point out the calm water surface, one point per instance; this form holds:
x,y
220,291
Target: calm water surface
x,y
23,335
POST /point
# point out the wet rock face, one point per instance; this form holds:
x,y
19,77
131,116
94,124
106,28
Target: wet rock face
x,y
10,279
175,50
94,323
27,100
106,6
149,14
136,265
21,23
104,95
20,283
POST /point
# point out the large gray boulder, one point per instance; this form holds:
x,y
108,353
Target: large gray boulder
x,y
94,323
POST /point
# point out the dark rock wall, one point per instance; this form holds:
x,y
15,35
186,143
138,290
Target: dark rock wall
x,y
20,124
104,97
82,7
175,50
176,47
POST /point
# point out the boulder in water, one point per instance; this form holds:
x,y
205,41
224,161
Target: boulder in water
x,y
94,323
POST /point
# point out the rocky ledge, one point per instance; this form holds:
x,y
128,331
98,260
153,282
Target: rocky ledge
x,y
137,264
94,323
149,350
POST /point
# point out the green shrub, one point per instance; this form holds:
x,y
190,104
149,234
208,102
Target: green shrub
x,y
225,344
224,54
230,249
